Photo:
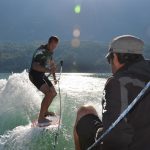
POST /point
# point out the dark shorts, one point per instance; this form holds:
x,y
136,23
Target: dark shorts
x,y
39,79
86,129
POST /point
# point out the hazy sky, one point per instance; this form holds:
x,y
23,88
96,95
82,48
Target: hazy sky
x,y
30,20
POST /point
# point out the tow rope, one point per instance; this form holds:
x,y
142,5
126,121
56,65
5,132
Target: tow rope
x,y
60,107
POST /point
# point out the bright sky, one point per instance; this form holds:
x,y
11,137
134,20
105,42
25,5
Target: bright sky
x,y
84,19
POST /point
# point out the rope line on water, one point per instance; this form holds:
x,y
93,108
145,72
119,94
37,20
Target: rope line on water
x,y
122,115
59,123
60,108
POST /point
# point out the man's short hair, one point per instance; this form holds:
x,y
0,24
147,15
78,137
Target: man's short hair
x,y
127,58
53,38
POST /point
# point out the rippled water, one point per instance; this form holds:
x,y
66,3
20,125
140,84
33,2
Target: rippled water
x,y
20,103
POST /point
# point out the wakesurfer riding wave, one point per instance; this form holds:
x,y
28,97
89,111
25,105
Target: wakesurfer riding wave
x,y
42,62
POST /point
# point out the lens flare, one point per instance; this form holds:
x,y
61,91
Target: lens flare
x,y
75,43
74,63
76,33
77,9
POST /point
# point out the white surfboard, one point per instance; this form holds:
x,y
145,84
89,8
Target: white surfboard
x,y
54,122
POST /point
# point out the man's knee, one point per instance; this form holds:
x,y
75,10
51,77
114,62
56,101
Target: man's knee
x,y
51,92
54,94
85,110
85,128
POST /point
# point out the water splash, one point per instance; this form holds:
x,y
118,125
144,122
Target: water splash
x,y
27,138
20,102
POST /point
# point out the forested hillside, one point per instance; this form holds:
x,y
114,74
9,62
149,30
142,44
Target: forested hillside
x,y
88,57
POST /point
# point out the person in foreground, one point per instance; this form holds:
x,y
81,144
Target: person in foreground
x,y
131,72
42,62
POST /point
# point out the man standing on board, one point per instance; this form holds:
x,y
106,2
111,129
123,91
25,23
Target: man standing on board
x,y
42,62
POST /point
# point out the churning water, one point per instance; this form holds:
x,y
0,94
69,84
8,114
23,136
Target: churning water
x,y
20,103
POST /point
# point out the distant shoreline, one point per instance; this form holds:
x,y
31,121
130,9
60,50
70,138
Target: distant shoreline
x,y
88,57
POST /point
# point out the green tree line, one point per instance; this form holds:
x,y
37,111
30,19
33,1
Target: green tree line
x,y
87,57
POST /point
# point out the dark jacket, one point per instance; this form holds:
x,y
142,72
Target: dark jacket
x,y
133,132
